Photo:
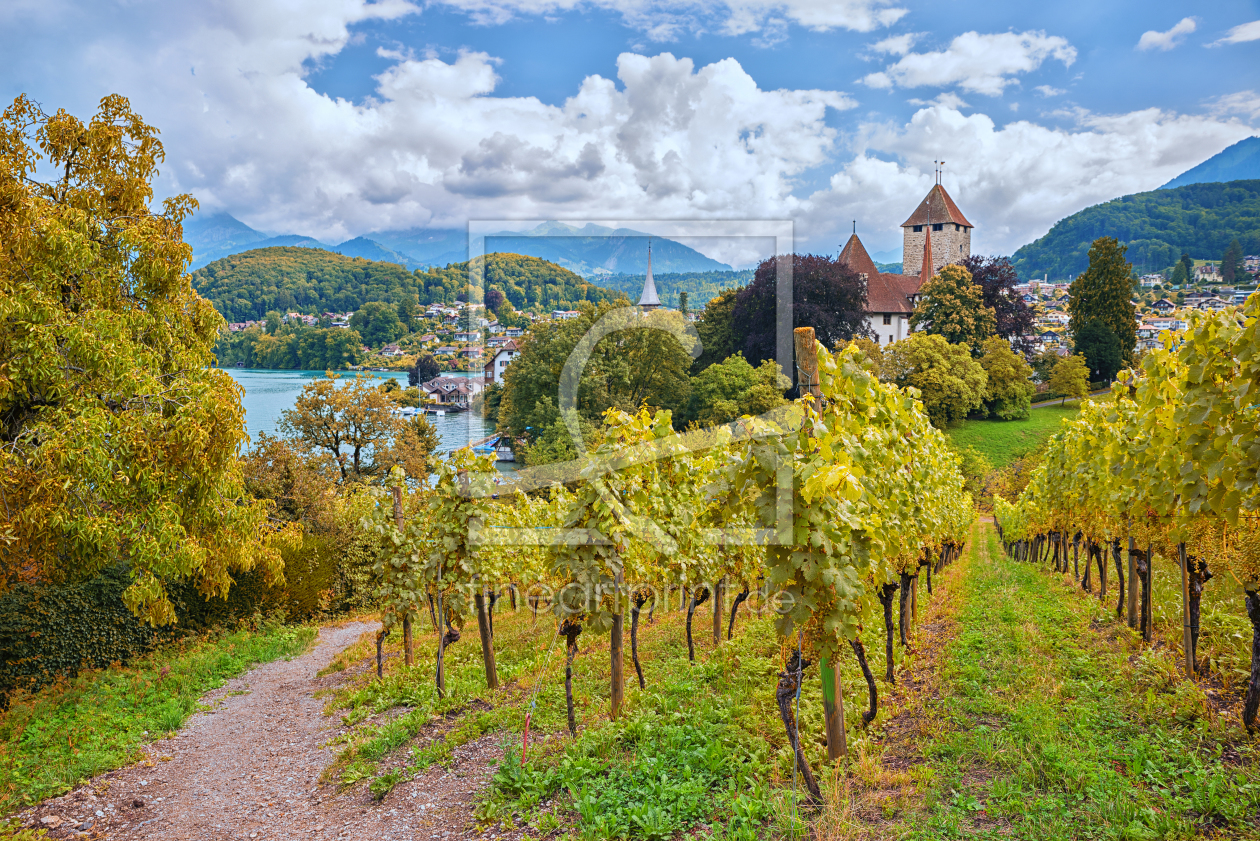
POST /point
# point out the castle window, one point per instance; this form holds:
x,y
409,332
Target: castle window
x,y
887,319
918,229
939,226
958,227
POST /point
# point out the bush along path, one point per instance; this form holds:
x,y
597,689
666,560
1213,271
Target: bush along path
x,y
1052,722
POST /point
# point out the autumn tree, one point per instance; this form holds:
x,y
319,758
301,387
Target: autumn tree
x,y
425,369
118,437
952,306
1102,293
1101,349
716,330
377,323
997,280
355,426
1070,377
731,388
826,295
1009,389
951,384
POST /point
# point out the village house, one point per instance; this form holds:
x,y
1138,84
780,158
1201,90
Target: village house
x,y
498,363
456,392
1163,306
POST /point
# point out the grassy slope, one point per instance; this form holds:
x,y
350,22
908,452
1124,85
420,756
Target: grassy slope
x,y
1004,441
62,735
1053,723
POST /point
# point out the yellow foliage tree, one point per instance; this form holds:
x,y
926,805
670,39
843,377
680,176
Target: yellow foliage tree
x,y
118,438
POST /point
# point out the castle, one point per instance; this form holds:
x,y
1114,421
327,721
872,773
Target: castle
x,y
935,235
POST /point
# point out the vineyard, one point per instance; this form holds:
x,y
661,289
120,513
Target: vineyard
x,y
823,518
1162,473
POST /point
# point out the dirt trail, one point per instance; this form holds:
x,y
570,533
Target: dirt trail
x,y
250,769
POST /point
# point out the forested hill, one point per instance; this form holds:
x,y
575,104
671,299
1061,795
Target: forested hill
x,y
248,285
699,286
1159,226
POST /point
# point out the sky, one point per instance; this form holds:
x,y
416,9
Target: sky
x,y
335,118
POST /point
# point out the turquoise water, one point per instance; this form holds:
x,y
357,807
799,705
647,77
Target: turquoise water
x,y
268,393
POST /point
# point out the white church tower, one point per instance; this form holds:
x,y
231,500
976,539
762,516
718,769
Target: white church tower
x,y
649,301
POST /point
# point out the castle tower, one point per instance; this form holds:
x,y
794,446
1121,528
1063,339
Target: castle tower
x,y
950,234
649,301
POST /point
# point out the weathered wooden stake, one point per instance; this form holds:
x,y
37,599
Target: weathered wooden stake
x,y
487,641
1186,644
833,711
806,346
618,655
408,647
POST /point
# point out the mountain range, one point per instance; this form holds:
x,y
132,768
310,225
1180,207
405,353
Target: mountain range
x,y
1240,162
590,251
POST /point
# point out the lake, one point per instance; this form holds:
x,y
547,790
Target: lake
x,y
268,393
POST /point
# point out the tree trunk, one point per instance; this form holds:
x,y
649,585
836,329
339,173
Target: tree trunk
x,y
487,641
860,651
785,694
635,608
1199,575
719,609
1119,562
1076,556
408,646
901,614
696,601
885,598
570,629
1144,578
493,600
739,599
929,574
1086,585
1187,646
1101,550
1133,585
449,638
380,659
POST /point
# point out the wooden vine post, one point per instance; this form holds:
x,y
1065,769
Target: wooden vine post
x,y
617,647
487,638
1133,583
719,612
408,646
833,695
1187,644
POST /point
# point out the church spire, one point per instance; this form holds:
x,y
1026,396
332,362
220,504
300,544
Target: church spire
x,y
648,300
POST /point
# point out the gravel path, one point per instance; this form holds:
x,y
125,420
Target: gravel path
x,y
250,769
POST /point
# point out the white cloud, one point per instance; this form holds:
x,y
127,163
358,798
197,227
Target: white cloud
x,y
897,44
982,64
1245,103
664,20
1013,181
947,98
1240,34
1152,40
436,144
1048,91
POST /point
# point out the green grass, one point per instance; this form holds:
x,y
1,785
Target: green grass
x,y
1002,442
54,739
1048,731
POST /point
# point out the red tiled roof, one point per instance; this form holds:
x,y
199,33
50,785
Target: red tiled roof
x,y
855,257
942,209
885,293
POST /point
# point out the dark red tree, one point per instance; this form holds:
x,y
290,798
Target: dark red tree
x,y
425,369
996,278
494,299
826,295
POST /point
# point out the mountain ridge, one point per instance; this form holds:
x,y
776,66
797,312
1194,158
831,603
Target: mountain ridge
x,y
589,251
1239,162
